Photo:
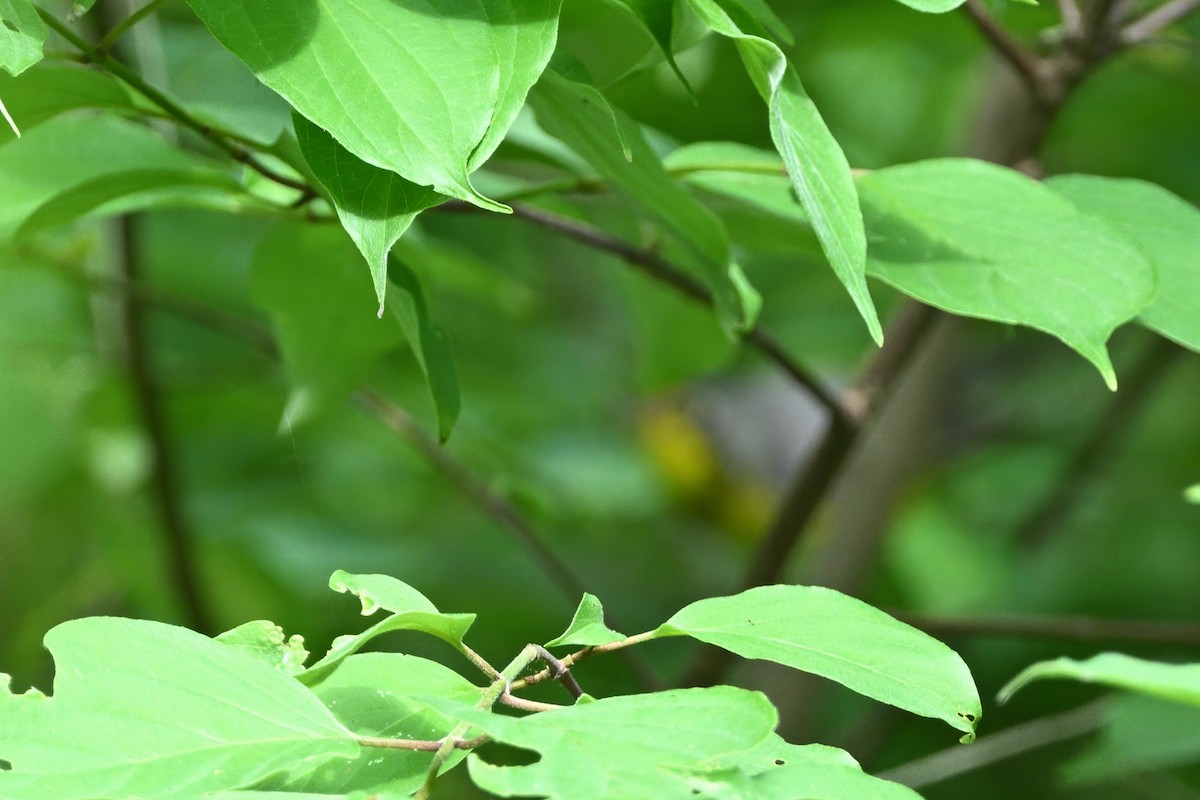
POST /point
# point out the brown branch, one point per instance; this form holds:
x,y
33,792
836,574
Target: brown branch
x,y
177,534
1057,628
815,478
651,263
1123,409
1072,19
1033,70
997,747
1147,26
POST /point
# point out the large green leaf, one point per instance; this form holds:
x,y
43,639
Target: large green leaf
x,y
637,747
410,611
1166,227
142,709
22,34
1178,682
977,239
424,89
310,279
372,695
579,115
70,151
49,89
375,206
827,633
815,162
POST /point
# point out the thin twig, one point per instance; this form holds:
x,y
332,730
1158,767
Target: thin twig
x,y
1031,69
177,112
656,266
1122,411
480,493
122,27
177,535
997,747
562,673
572,659
1151,23
522,704
421,745
1056,628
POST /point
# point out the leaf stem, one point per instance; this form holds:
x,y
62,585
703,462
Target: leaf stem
x,y
498,688
177,112
124,25
421,745
572,659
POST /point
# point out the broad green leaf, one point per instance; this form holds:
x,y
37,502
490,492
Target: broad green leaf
x,y
815,162
372,695
430,343
827,633
580,116
587,628
70,151
424,90
22,34
142,709
1166,228
410,611
265,641
661,735
49,89
1141,734
976,239
123,192
1177,682
374,205
310,279
752,176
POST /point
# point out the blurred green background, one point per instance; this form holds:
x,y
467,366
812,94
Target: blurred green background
x,y
645,449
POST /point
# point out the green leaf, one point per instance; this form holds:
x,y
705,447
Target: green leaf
x,y
372,695
22,34
658,18
1166,228
660,736
815,162
70,151
580,116
935,6
374,205
754,177
142,709
1178,682
587,628
410,611
827,633
124,192
265,641
79,8
49,89
1192,494
424,90
430,343
1141,734
309,278
976,239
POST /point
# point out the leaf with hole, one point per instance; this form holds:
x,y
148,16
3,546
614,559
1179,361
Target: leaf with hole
x,y
143,709
830,634
22,34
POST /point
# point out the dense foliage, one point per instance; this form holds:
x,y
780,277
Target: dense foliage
x,y
340,286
